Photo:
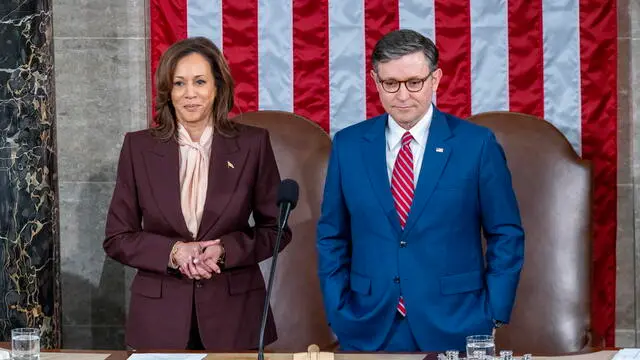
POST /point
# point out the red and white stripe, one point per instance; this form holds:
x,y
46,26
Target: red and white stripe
x,y
401,308
402,180
551,58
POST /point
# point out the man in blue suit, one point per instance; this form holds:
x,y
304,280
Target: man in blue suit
x,y
406,198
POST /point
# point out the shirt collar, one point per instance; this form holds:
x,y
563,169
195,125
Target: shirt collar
x,y
205,139
419,131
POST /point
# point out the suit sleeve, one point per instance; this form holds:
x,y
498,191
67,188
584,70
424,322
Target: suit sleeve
x,y
244,249
333,239
502,229
125,240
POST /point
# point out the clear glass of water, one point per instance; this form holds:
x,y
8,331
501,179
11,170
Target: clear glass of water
x,y
480,347
25,344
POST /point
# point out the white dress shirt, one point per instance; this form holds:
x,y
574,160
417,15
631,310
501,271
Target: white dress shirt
x,y
420,133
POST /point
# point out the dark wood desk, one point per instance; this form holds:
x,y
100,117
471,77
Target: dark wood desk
x,y
64,354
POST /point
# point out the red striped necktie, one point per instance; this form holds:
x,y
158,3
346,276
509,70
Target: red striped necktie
x,y
402,187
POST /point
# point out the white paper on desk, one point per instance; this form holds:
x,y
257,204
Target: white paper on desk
x,y
627,354
167,356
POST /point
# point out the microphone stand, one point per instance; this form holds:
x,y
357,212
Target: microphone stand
x,y
282,221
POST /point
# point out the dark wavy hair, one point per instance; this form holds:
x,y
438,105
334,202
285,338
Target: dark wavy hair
x,y
399,43
165,113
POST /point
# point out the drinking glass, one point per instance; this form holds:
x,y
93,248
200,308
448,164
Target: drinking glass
x,y
479,346
25,344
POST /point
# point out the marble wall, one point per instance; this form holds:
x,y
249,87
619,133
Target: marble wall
x,y
628,244
28,191
100,55
102,92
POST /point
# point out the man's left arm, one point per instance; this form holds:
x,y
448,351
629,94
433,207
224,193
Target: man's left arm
x,y
502,228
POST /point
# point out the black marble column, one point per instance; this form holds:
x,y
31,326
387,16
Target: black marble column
x,y
29,236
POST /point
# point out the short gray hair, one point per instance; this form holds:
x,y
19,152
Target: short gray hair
x,y
399,43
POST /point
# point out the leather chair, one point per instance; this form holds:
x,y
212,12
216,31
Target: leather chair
x,y
553,187
302,151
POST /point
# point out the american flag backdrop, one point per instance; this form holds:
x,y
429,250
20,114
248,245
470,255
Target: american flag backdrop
x,y
555,59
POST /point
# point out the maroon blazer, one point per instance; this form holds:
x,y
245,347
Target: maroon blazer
x,y
145,220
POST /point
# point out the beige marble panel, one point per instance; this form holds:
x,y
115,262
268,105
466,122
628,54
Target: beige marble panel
x,y
99,19
625,289
101,86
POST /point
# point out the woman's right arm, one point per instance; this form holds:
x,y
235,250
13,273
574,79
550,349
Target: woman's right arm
x,y
125,240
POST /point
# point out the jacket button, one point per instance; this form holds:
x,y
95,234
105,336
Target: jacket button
x,y
403,244
396,280
198,284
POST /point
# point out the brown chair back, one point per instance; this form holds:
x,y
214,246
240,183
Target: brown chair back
x,y
553,187
302,151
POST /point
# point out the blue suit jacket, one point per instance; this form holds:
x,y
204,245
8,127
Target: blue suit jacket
x,y
451,289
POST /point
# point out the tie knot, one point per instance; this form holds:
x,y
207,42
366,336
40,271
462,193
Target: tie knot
x,y
406,138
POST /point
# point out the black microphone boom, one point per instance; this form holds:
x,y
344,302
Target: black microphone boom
x,y
287,201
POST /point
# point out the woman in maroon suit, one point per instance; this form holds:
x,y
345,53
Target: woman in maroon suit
x,y
180,212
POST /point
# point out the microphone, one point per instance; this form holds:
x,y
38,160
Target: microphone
x,y
287,201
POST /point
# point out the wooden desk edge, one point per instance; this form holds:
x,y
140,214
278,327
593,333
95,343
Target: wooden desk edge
x,y
123,354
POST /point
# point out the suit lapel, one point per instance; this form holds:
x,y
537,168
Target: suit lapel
x,y
165,185
225,169
374,154
436,155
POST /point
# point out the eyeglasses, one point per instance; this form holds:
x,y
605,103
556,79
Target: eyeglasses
x,y
413,85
